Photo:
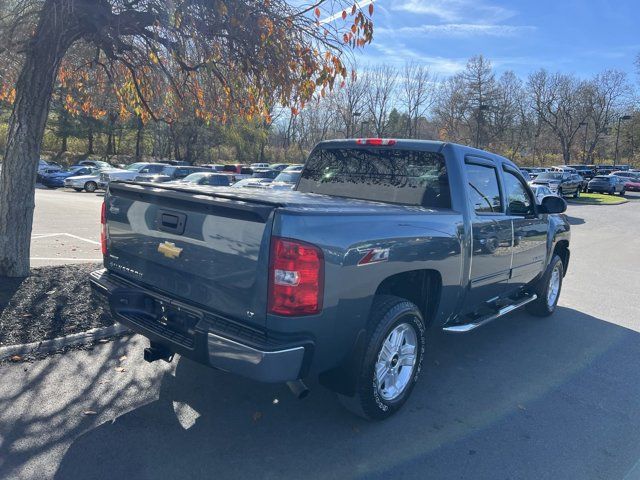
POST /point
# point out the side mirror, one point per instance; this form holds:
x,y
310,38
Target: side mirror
x,y
552,204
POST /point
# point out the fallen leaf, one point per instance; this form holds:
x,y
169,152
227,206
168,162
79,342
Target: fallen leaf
x,y
122,358
276,401
16,358
257,416
120,369
521,407
89,412
26,315
51,292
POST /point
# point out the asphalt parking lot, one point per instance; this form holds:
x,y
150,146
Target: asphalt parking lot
x,y
522,398
66,227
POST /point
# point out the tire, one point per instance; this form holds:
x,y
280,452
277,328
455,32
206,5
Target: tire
x,y
560,192
390,317
91,187
547,302
622,192
588,191
577,194
612,191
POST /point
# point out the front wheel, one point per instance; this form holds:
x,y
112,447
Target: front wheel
x,y
548,289
560,192
91,187
622,192
392,359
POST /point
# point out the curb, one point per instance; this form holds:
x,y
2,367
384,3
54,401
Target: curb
x,y
621,202
47,346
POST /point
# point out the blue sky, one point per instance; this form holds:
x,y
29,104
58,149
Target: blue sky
x,y
573,36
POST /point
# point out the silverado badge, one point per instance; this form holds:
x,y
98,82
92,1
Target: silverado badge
x,y
169,250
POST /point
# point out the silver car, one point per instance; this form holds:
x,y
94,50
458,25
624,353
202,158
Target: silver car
x,y
89,183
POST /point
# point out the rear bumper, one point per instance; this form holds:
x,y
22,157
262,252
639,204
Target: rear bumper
x,y
208,338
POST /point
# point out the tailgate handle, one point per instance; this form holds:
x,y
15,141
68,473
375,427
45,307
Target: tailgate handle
x,y
171,222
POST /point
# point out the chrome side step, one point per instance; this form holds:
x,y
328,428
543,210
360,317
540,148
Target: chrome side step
x,y
467,327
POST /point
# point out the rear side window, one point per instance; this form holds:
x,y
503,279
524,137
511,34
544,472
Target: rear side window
x,y
388,175
484,189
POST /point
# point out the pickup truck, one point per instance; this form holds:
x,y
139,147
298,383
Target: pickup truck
x,y
342,278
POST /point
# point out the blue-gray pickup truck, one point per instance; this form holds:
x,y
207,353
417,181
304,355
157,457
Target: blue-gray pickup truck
x,y
343,277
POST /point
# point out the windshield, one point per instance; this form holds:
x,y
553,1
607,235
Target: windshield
x,y
194,177
389,175
288,177
549,176
135,166
602,177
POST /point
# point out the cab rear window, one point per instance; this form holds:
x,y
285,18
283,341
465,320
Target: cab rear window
x,y
388,175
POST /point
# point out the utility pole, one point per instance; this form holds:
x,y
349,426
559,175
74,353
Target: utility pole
x,y
623,117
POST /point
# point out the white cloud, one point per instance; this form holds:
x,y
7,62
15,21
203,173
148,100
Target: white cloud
x,y
455,10
398,54
458,30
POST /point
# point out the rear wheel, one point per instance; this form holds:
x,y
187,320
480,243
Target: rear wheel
x,y
622,192
560,192
548,289
91,187
392,359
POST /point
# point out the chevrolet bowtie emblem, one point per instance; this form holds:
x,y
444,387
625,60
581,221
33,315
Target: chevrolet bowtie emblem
x,y
169,250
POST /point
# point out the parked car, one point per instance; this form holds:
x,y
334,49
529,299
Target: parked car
x,y
130,172
46,168
96,164
632,185
205,178
606,184
240,171
216,167
89,183
253,183
587,172
259,165
278,166
627,174
541,191
561,183
56,179
170,173
339,278
287,180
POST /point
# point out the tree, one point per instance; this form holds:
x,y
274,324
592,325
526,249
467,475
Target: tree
x,y
380,85
480,84
560,102
223,56
417,94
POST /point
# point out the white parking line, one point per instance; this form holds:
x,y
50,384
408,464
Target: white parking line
x,y
48,259
38,236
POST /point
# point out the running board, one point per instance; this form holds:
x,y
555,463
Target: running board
x,y
467,327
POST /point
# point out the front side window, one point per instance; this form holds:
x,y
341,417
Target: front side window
x,y
391,175
483,188
518,199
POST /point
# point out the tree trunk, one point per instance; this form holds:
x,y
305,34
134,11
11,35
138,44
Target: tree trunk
x,y
139,128
90,142
53,36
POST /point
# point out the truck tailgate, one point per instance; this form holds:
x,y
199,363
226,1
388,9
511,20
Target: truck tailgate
x,y
204,249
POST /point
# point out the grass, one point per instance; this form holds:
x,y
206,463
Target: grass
x,y
598,199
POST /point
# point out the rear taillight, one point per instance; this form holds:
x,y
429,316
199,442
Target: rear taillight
x,y
103,231
377,142
296,278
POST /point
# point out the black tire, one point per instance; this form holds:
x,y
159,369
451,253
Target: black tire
x,y
388,312
91,187
560,192
540,307
588,191
622,192
577,194
612,191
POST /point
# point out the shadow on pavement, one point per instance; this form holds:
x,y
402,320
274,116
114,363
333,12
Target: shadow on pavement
x,y
523,397
575,220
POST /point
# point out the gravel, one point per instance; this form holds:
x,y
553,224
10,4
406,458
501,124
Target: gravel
x,y
51,303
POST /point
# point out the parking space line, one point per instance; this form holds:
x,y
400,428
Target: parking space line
x,y
67,259
38,236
